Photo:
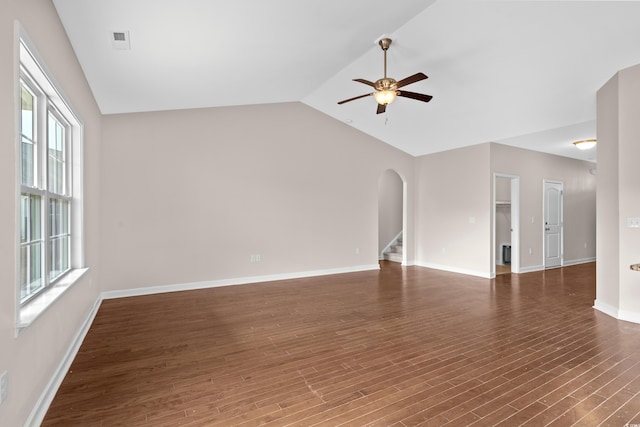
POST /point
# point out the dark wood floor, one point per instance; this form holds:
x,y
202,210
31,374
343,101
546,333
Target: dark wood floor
x,y
403,346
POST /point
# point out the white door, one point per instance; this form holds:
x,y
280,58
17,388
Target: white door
x,y
552,224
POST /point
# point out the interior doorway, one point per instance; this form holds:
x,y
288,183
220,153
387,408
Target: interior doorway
x,y
553,223
506,224
391,217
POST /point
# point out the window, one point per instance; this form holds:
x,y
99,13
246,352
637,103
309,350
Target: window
x,y
50,235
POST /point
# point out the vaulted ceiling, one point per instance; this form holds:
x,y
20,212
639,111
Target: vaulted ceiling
x,y
523,73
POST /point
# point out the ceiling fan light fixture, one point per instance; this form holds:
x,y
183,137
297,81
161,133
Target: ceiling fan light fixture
x,y
585,144
385,97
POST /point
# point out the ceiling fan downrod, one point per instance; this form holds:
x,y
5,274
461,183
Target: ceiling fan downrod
x,y
384,44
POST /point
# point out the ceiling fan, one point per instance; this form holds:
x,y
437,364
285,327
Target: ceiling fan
x,y
387,88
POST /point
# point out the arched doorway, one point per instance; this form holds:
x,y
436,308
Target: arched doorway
x,y
391,217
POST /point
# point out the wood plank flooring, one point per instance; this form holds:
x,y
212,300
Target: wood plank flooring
x,y
404,346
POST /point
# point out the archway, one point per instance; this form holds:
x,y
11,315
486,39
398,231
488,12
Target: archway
x,y
391,217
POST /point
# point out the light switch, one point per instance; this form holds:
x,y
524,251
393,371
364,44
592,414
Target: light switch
x,y
633,222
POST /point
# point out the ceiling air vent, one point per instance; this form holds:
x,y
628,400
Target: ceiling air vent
x,y
120,40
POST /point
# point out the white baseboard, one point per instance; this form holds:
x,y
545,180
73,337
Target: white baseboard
x,y
606,308
531,268
616,313
578,261
483,274
42,405
231,282
565,263
629,316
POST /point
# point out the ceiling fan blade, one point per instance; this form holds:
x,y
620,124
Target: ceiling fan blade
x,y
419,96
381,108
367,82
354,98
412,79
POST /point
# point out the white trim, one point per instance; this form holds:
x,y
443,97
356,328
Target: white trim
x,y
515,223
532,268
34,308
46,397
468,272
37,75
579,261
231,282
616,313
606,308
629,316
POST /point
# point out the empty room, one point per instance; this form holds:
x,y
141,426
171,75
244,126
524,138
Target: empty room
x,y
319,213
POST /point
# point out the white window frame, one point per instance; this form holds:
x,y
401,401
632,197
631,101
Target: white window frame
x,y
50,100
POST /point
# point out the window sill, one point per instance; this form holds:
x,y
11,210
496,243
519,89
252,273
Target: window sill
x,y
32,310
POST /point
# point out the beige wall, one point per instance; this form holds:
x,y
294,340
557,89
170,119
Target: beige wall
x,y
189,196
453,199
618,290
455,213
608,233
32,358
579,202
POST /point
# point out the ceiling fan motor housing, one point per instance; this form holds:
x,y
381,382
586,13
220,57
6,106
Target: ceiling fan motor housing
x,y
386,83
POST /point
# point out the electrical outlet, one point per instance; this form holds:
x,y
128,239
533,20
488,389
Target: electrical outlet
x,y
4,386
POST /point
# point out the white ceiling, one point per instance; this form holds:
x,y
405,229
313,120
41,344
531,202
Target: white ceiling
x,y
523,73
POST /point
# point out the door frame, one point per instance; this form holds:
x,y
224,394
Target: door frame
x,y
544,212
515,223
405,255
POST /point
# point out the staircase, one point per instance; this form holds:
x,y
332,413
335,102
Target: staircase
x,y
394,250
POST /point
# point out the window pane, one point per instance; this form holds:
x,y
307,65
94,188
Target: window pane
x,y
36,217
24,218
56,158
27,154
31,255
59,237
30,270
30,218
27,128
58,217
58,256
28,112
